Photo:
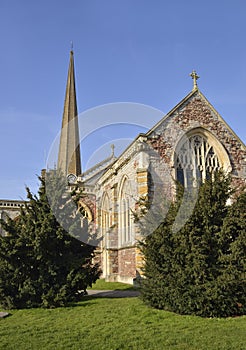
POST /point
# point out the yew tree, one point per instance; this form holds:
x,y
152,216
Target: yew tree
x,y
43,261
201,268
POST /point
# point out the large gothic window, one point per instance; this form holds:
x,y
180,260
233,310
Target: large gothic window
x,y
125,216
195,160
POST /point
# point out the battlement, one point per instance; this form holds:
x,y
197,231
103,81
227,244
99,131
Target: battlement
x,y
11,204
9,208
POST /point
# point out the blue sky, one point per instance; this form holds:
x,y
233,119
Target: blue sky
x,y
137,51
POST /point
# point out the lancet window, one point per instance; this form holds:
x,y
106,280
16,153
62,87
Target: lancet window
x,y
125,216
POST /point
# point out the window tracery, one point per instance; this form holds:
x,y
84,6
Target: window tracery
x,y
85,214
196,159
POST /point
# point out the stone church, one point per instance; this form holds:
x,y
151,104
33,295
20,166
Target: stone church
x,y
187,144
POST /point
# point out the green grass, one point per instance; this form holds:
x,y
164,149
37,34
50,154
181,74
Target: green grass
x,y
102,285
101,323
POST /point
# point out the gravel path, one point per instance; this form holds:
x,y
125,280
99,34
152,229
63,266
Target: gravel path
x,y
113,293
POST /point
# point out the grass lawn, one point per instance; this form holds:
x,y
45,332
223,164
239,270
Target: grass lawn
x,y
101,323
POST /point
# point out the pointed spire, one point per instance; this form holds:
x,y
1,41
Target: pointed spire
x,y
69,151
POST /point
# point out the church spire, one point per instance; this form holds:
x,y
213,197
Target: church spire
x,y
69,150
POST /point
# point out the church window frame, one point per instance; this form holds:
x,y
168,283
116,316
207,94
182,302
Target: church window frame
x,y
125,217
85,213
198,154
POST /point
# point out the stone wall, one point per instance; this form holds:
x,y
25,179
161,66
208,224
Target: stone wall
x,y
127,264
198,111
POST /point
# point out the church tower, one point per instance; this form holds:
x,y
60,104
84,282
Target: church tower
x,y
69,150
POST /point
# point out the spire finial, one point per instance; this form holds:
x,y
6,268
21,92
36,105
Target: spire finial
x,y
71,46
195,77
112,148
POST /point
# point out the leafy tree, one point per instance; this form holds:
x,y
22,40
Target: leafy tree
x,y
200,269
41,264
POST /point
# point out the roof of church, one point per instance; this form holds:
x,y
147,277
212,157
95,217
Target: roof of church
x,y
91,175
69,151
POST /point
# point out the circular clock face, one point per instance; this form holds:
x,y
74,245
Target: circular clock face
x,y
72,178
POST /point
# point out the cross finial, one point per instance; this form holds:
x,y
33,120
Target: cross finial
x,y
195,77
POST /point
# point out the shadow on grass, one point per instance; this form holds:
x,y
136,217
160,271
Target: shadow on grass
x,y
85,301
101,285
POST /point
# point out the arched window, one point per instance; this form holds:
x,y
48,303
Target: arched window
x,y
125,216
195,159
106,243
85,212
